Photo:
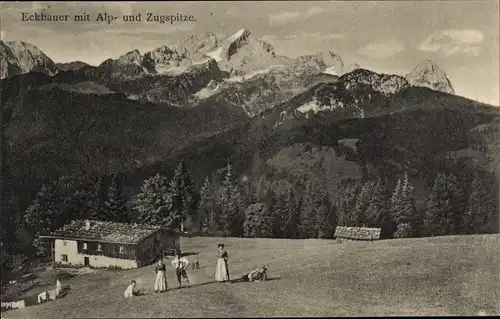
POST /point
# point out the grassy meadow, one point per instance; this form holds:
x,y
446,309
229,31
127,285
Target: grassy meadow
x,y
452,275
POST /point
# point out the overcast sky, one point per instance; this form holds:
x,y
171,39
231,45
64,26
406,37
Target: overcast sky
x,y
462,37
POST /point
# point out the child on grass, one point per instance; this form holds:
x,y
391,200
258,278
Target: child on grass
x,y
131,290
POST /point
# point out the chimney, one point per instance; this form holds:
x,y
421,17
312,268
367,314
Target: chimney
x,y
87,224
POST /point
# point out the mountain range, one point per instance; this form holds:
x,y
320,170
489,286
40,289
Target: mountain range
x,y
207,99
199,67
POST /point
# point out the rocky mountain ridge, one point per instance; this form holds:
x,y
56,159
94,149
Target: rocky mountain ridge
x,y
358,94
240,70
17,57
428,74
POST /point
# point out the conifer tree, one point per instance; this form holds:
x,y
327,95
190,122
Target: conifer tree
x,y
481,208
377,212
315,212
438,220
458,203
249,224
307,217
226,187
278,216
97,199
230,203
403,231
258,221
184,193
324,225
291,227
155,203
408,214
76,204
115,205
236,211
207,205
260,190
362,202
346,204
396,203
352,195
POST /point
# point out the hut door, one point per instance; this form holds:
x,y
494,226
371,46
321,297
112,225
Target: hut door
x,y
86,261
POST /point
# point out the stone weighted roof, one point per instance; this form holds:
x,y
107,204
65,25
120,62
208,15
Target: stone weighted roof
x,y
357,233
103,231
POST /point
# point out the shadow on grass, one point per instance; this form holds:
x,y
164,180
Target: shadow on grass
x,y
241,280
203,284
201,267
189,253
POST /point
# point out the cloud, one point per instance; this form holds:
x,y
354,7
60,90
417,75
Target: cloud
x,y
453,42
233,11
286,17
145,32
381,50
35,5
314,11
305,36
283,17
302,43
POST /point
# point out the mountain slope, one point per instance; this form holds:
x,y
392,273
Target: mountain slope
x,y
17,57
361,93
72,66
417,140
53,131
175,89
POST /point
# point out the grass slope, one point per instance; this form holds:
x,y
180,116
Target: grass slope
x,y
455,275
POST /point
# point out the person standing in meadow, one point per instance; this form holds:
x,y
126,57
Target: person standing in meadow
x,y
161,278
180,264
222,269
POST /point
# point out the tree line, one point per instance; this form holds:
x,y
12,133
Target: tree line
x,y
303,208
298,208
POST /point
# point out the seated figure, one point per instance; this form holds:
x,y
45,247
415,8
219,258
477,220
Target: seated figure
x,y
131,290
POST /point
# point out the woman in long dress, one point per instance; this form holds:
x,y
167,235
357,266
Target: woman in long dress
x,y
222,269
161,278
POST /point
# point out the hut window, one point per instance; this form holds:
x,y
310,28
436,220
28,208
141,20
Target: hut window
x,y
64,257
84,246
64,243
99,247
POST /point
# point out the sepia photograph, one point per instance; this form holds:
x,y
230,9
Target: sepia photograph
x,y
235,159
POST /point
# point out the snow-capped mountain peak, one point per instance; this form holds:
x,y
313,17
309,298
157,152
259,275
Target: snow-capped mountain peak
x,y
238,36
242,53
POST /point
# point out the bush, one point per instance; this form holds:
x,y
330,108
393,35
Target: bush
x,y
403,231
